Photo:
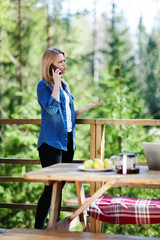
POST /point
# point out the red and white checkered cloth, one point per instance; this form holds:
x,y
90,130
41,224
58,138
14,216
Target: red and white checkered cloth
x,y
125,210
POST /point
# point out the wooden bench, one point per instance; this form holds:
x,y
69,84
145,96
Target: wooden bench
x,y
72,202
34,234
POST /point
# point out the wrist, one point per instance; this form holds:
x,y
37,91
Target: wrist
x,y
56,85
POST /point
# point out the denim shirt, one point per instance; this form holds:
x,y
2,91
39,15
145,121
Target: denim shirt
x,y
53,113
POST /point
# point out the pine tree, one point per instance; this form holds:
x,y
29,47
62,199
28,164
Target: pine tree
x,y
152,91
148,70
117,85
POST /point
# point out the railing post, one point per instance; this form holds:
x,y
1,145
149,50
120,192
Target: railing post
x,y
92,156
92,141
97,142
100,143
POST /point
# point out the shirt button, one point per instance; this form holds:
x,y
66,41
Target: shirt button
x,y
50,106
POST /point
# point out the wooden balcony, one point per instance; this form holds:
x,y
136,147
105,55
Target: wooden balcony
x,y
97,143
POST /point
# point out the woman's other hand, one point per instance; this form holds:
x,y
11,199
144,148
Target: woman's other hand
x,y
94,104
89,106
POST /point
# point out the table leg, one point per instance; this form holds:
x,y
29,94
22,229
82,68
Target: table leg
x,y
92,220
99,225
55,204
67,223
72,220
81,200
95,225
96,195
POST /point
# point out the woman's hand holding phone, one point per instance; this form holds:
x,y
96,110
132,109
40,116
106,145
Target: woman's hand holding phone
x,y
57,77
56,74
56,82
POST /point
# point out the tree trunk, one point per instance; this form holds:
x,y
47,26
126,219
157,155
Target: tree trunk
x,y
20,48
48,25
95,48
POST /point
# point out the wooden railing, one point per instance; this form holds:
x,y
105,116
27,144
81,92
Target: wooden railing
x,y
97,142
29,162
24,162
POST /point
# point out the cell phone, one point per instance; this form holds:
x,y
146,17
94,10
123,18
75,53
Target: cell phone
x,y
52,67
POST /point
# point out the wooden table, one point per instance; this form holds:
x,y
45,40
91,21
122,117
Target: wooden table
x,y
55,174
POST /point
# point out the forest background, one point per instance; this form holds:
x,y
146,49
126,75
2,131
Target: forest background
x,y
103,63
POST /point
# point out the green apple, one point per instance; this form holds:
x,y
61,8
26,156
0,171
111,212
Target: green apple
x,y
98,163
107,163
88,163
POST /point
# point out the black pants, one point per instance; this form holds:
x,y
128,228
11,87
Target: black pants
x,y
49,156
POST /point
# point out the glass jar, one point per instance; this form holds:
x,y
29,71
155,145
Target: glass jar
x,y
128,163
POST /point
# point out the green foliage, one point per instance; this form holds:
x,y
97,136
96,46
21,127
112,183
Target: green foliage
x,y
148,68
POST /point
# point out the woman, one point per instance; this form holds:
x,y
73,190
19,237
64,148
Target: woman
x,y
56,141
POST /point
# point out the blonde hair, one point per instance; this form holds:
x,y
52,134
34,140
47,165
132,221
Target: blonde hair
x,y
49,57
